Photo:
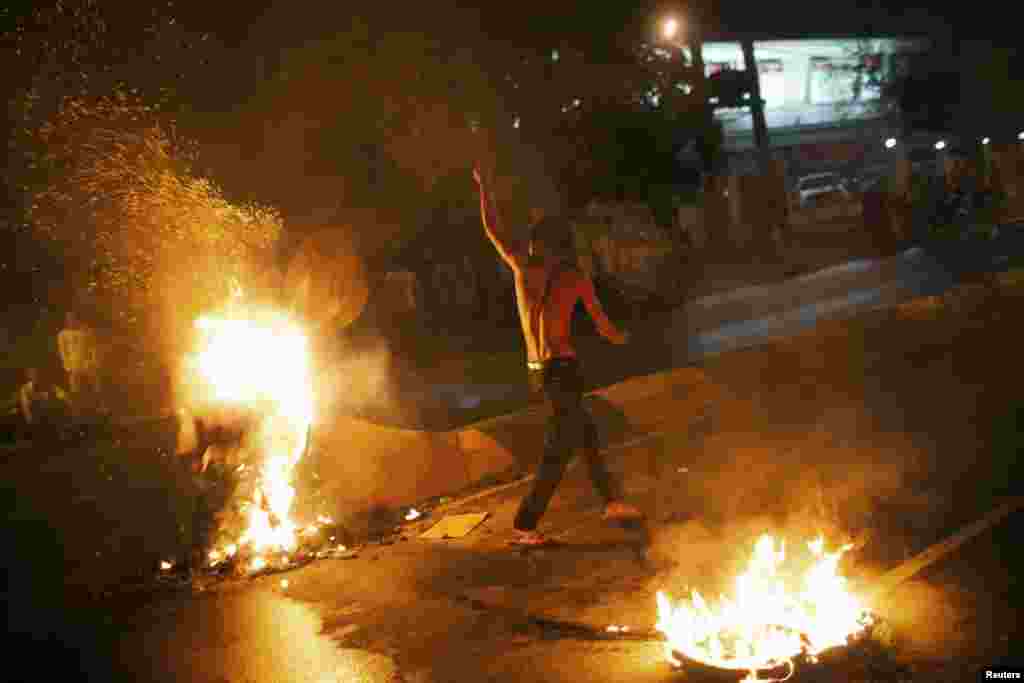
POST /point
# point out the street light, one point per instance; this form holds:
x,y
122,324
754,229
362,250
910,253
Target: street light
x,y
985,141
890,143
1020,135
940,145
669,28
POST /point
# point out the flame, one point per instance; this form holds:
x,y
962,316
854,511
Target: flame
x,y
412,514
258,362
766,624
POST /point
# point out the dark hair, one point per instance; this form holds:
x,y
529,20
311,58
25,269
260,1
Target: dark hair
x,y
556,234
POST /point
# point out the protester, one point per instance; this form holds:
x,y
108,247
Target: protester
x,y
548,284
40,404
79,354
29,396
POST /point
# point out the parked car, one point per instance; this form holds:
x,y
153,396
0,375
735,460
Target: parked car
x,y
870,177
813,188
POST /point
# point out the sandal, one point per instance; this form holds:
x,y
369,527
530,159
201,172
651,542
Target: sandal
x,y
621,512
529,539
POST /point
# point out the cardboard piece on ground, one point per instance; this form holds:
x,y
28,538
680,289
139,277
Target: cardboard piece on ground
x,y
455,526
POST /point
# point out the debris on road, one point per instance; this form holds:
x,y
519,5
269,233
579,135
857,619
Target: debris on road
x,y
338,553
455,526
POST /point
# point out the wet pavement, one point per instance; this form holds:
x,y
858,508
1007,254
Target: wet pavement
x,y
253,635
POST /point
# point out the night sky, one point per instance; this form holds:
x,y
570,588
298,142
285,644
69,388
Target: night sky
x,y
595,25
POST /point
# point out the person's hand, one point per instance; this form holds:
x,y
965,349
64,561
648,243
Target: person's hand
x,y
477,176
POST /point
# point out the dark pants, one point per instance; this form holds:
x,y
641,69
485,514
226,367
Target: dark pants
x,y
568,427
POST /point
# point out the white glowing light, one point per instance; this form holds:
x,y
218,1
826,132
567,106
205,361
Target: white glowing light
x,y
166,566
940,145
985,141
890,143
670,28
230,346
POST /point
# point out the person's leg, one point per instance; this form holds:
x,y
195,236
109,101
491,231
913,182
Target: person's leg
x,y
74,382
549,476
607,487
98,393
75,398
558,445
600,477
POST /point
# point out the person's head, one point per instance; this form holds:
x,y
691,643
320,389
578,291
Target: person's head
x,y
552,239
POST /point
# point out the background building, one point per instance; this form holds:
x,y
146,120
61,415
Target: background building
x,y
823,98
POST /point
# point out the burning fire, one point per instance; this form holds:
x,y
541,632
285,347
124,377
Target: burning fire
x,y
258,363
772,618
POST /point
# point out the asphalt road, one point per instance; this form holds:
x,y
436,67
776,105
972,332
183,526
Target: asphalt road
x,y
411,611
732,320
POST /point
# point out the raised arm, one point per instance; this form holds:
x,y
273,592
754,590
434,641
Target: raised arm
x,y
492,224
605,326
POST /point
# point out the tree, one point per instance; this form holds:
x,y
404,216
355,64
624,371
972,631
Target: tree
x,y
377,116
612,124
975,93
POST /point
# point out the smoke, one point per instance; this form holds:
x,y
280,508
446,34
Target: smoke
x,y
356,380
